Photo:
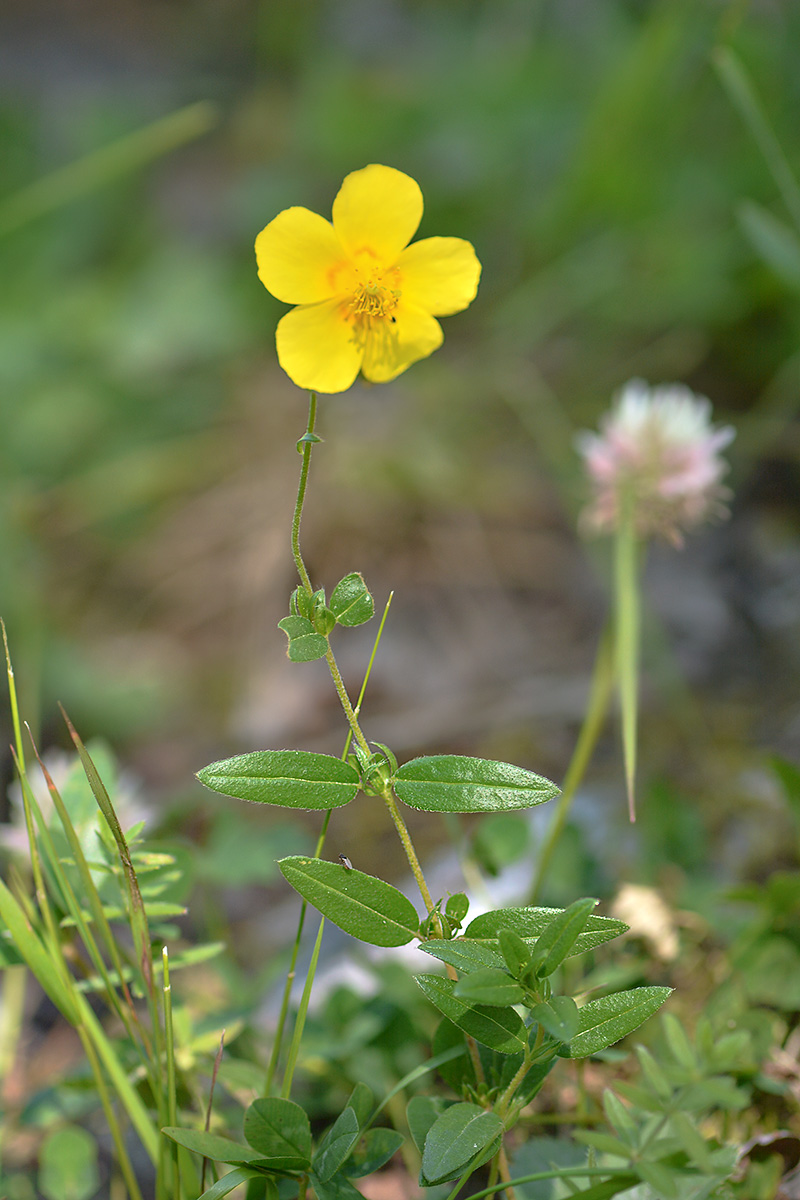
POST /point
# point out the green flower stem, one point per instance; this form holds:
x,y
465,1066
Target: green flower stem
x,y
599,698
341,691
408,846
301,493
627,622
333,666
294,1047
290,975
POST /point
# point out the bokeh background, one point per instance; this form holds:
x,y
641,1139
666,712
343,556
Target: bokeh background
x,y
628,223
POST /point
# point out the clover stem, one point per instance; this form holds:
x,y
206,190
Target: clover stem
x,y
307,442
596,709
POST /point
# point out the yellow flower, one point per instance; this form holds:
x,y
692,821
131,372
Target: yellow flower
x,y
366,300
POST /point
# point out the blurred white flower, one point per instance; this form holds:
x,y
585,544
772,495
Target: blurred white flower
x,y
657,451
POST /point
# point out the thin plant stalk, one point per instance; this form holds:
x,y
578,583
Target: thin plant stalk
x,y
741,92
290,975
597,707
300,1020
627,623
169,1045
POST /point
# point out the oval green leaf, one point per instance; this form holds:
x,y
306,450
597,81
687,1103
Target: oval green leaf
x,y
455,783
280,1130
498,1028
290,778
351,602
463,955
459,1135
374,1150
531,923
305,644
491,986
335,1147
603,1022
368,908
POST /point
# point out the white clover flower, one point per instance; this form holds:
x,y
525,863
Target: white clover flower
x,y
658,452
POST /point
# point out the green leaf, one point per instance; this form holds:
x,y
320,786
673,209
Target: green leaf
x,y
360,1101
516,953
458,1136
603,1022
557,939
663,1180
421,1112
775,241
454,783
280,1130
212,1145
225,1185
457,906
530,923
305,644
351,602
692,1141
68,1165
337,1188
335,1147
498,1028
489,986
290,778
368,908
679,1044
465,956
374,1149
558,1017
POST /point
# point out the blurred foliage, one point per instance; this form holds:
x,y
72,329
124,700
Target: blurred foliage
x,y
588,151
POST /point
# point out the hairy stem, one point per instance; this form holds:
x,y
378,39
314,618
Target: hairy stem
x,y
307,442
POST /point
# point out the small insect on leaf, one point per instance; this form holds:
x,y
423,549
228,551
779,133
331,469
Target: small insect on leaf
x,y
345,861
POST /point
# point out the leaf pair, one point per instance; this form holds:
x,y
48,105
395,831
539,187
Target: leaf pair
x,y
435,783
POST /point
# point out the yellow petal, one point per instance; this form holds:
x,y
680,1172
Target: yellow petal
x,y
300,259
391,347
316,347
376,213
439,274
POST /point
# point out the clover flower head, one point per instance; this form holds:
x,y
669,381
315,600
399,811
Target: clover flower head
x,y
658,452
365,299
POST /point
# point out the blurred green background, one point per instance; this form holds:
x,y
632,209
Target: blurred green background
x,y
628,224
